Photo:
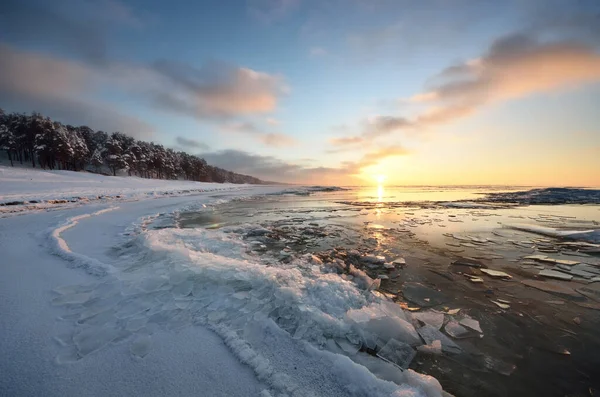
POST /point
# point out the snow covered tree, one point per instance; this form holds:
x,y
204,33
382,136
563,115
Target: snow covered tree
x,y
96,160
114,156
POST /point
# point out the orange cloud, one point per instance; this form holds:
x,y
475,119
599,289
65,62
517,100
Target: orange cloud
x,y
514,67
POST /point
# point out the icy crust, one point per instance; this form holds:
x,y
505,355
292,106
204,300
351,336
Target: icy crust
x,y
297,326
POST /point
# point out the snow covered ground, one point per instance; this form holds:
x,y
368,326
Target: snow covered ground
x,y
26,189
97,299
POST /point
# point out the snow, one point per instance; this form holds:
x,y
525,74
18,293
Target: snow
x,y
39,189
94,293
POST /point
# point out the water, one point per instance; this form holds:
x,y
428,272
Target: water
x,y
530,332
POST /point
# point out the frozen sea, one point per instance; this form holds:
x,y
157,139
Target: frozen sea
x,y
273,291
427,250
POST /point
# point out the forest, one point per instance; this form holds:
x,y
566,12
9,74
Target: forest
x,y
40,141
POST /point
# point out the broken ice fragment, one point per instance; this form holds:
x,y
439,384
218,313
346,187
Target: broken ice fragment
x,y
399,261
346,346
431,334
397,353
456,330
495,273
434,348
554,274
501,305
92,339
471,323
435,319
140,346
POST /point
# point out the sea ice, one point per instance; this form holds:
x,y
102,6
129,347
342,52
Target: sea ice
x,y
434,348
435,319
495,273
398,353
455,330
93,338
431,334
471,323
555,274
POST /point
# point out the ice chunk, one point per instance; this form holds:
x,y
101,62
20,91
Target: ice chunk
x,y
93,338
555,274
373,259
456,330
471,323
434,348
346,346
141,346
399,261
431,334
435,319
495,273
501,305
397,353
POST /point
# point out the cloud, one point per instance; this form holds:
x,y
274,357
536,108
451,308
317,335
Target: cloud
x,y
317,52
269,11
272,121
277,140
514,66
381,125
267,138
59,89
216,90
270,168
274,169
372,128
190,144
348,140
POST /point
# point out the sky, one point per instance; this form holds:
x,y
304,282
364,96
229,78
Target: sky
x,y
343,92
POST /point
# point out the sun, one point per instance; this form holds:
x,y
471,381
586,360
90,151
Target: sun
x,y
381,178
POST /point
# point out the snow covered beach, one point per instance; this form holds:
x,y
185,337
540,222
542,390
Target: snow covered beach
x,y
96,301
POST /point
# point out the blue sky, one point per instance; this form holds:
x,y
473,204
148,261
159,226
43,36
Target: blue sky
x,y
331,91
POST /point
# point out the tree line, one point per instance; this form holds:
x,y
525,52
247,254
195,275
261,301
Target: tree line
x,y
52,145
